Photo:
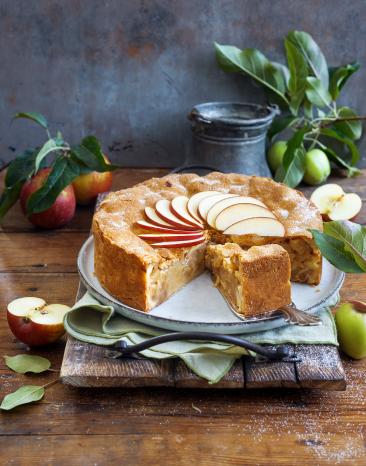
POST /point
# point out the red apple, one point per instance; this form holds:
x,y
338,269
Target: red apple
x,y
34,322
61,211
87,187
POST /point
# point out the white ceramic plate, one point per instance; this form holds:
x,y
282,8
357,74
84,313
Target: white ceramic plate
x,y
199,306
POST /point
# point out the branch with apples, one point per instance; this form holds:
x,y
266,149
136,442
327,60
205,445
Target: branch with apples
x,y
49,189
321,132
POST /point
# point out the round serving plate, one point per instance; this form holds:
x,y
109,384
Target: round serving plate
x,y
199,306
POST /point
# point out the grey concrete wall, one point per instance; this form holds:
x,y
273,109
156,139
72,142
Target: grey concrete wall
x,y
129,71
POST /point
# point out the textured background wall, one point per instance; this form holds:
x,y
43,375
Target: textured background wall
x,y
130,70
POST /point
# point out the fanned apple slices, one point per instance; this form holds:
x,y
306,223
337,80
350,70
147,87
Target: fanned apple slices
x,y
172,224
180,222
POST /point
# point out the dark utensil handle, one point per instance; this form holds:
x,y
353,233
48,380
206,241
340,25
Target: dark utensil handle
x,y
279,352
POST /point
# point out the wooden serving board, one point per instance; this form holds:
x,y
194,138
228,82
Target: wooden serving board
x,y
85,365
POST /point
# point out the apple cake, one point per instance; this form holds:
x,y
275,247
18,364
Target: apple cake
x,y
253,281
143,269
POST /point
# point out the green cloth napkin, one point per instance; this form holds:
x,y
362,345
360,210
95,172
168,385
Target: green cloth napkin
x,y
93,322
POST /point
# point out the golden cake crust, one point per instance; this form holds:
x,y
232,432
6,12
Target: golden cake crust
x,y
123,261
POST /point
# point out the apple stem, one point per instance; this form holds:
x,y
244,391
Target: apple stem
x,y
49,384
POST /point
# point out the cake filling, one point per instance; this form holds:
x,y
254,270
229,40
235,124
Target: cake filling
x,y
255,281
169,276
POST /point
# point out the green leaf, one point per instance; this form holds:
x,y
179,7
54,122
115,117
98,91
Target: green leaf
x,y
90,154
333,134
253,63
353,237
339,76
316,93
50,146
351,171
23,363
9,197
351,128
312,54
298,74
63,172
308,108
18,171
280,124
282,69
292,170
24,395
21,167
34,116
333,250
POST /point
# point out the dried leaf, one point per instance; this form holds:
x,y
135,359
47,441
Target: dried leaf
x,y
23,395
23,363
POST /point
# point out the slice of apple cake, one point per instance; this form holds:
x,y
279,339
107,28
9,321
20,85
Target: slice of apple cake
x,y
253,281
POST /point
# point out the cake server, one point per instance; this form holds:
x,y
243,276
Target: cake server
x,y
290,313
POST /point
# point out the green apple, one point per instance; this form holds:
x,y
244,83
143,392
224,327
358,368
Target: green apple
x,y
351,327
275,154
317,167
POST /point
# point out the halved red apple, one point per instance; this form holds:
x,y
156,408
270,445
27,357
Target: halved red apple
x,y
152,227
163,210
34,322
261,226
157,237
346,208
334,204
227,202
194,201
179,208
178,244
238,212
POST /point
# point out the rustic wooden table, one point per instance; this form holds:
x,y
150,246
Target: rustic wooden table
x,y
160,426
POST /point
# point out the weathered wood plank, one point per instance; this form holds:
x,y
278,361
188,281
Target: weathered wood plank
x,y
40,251
86,365
354,288
269,374
167,443
320,367
54,288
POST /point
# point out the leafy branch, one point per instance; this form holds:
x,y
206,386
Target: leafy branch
x,y
306,90
67,163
